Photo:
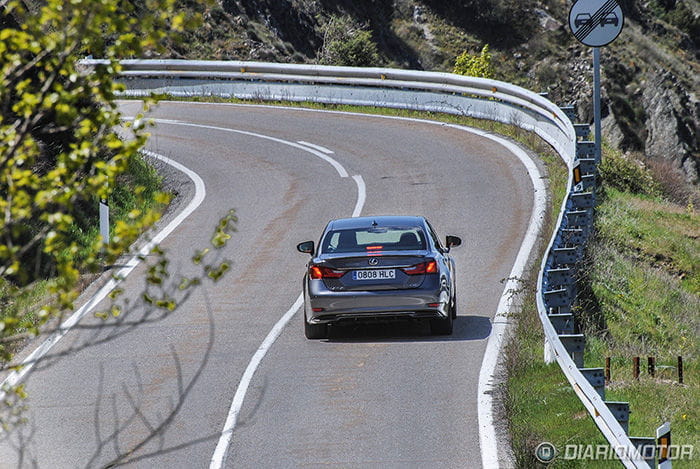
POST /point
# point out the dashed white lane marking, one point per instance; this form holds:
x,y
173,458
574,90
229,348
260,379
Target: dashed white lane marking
x,y
338,167
27,364
223,445
487,431
316,147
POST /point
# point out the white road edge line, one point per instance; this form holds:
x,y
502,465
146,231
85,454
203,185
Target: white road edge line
x,y
487,431
316,147
221,451
488,439
27,364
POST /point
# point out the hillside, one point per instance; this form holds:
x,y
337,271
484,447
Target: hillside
x,y
651,73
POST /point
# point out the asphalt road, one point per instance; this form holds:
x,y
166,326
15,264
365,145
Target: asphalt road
x,y
157,395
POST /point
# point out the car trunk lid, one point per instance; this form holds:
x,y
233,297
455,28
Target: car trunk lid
x,y
376,272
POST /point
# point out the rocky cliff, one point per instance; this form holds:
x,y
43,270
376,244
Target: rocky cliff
x,y
650,73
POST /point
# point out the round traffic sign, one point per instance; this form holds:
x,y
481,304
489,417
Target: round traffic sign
x,y
596,23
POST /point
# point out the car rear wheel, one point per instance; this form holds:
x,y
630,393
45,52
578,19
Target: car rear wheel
x,y
315,331
441,326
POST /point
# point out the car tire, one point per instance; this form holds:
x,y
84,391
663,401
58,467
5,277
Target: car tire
x,y
315,331
453,309
442,326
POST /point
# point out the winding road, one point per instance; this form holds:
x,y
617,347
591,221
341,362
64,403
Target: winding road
x,y
162,394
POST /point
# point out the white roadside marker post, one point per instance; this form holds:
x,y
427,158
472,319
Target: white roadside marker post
x,y
104,221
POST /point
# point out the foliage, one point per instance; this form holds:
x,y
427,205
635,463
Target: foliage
x,y
475,65
635,225
645,282
488,19
345,42
626,174
59,146
680,15
644,275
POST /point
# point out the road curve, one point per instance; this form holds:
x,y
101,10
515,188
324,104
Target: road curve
x,y
379,396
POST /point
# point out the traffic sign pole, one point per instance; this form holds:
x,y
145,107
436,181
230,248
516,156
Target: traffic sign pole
x,y
596,23
596,104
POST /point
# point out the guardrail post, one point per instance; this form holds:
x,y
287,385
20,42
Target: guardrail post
x,y
646,447
595,376
621,412
583,200
563,323
569,111
585,150
565,255
583,131
663,441
588,182
560,276
574,344
577,236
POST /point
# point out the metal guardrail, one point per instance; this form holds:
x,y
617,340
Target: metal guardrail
x,y
454,94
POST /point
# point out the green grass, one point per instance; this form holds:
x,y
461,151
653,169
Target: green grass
x,y
22,302
541,405
644,300
641,298
655,233
124,200
645,279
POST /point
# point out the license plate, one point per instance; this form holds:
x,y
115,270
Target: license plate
x,y
384,274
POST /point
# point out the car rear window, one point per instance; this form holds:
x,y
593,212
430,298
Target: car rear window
x,y
374,239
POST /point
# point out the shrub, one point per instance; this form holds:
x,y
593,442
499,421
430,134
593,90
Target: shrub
x,y
348,43
475,65
673,184
626,174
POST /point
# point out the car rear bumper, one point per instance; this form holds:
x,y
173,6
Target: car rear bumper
x,y
322,306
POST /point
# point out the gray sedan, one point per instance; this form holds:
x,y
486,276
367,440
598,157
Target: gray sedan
x,y
379,268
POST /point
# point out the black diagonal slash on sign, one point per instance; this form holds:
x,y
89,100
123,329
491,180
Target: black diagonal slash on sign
x,y
582,32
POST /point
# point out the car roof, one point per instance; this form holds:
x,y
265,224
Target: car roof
x,y
383,220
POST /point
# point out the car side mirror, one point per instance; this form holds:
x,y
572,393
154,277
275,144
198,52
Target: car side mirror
x,y
452,241
306,247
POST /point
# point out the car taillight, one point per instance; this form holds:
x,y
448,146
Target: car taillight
x,y
318,272
428,267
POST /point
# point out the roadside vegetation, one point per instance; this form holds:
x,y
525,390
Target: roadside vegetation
x,y
639,296
640,292
137,198
61,151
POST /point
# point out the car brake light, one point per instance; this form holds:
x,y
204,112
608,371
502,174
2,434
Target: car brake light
x,y
428,267
318,272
